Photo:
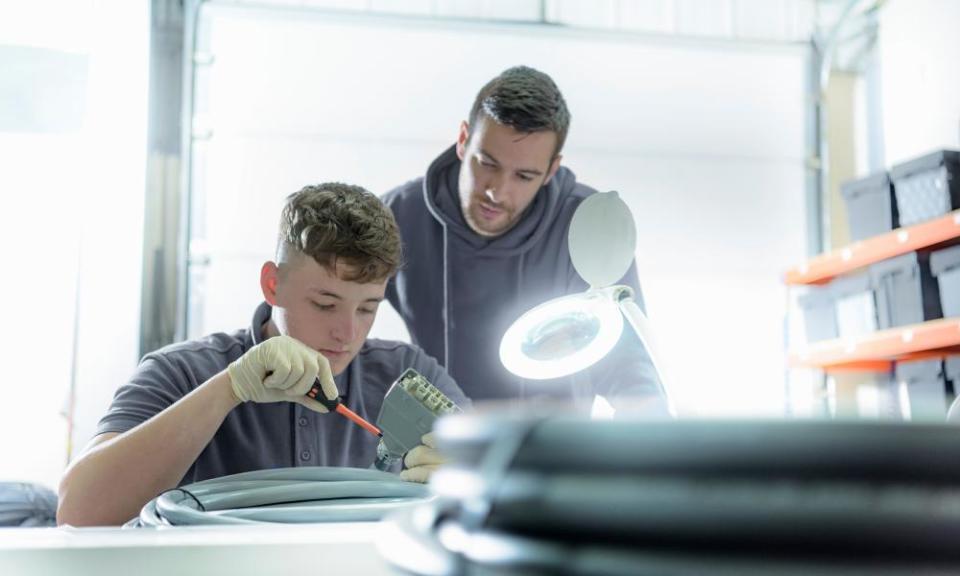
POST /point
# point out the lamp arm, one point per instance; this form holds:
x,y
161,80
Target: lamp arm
x,y
641,326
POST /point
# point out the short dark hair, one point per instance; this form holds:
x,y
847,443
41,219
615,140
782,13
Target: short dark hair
x,y
332,221
525,99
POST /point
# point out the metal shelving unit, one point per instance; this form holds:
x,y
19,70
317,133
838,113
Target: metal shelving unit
x,y
878,351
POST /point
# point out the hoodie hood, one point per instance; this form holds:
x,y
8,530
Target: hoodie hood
x,y
441,193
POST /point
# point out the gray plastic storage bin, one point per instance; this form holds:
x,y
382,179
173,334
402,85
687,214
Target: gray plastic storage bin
x,y
906,291
945,267
855,304
819,316
927,187
922,390
871,206
951,369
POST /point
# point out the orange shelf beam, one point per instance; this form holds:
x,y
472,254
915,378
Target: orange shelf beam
x,y
876,351
826,266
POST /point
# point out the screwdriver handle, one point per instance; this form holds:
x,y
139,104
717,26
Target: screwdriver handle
x,y
316,393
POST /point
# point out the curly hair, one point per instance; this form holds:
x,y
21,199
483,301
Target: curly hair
x,y
526,100
333,221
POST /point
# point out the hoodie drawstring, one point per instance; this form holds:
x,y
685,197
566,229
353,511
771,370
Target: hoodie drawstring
x,y
520,262
446,300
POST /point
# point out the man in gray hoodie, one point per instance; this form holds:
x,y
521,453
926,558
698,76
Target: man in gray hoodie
x,y
485,239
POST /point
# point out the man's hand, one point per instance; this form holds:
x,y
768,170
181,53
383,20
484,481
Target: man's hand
x,y
420,462
281,369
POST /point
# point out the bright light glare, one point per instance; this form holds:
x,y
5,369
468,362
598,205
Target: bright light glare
x,y
72,194
562,336
601,409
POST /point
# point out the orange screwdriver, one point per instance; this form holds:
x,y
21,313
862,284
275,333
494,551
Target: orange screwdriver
x,y
316,393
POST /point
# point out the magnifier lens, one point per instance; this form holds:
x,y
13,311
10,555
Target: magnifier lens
x,y
560,337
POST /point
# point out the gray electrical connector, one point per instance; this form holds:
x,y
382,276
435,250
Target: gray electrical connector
x,y
409,409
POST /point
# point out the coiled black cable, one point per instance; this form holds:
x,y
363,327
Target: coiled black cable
x,y
620,497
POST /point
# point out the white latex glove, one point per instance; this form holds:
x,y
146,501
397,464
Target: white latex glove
x,y
420,462
281,369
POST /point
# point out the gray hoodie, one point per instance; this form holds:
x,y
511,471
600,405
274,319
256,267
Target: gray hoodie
x,y
458,292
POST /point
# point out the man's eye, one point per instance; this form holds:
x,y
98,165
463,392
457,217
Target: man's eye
x,y
369,309
525,177
319,306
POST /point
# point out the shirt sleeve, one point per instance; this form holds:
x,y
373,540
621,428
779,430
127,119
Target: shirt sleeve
x,y
154,387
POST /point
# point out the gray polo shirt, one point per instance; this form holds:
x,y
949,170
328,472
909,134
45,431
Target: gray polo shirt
x,y
281,434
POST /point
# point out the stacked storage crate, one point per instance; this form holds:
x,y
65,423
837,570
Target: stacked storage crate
x,y
945,267
847,306
951,369
871,206
905,290
923,285
925,389
927,187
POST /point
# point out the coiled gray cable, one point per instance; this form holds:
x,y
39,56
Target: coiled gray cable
x,y
283,495
24,504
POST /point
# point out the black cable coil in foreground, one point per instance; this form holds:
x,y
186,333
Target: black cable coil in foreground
x,y
574,496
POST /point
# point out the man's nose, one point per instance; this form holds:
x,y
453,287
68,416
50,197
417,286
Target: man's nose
x,y
497,190
345,329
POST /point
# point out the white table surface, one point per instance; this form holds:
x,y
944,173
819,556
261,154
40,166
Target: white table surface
x,y
334,548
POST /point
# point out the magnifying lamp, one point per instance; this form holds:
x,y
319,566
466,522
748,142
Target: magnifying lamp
x,y
571,333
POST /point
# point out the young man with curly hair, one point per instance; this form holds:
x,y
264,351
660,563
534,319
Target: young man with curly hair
x,y
230,403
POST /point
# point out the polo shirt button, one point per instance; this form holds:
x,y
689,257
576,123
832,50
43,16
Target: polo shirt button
x,y
302,421
305,455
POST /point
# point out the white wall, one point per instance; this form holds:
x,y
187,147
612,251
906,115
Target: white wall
x,y
72,122
704,140
919,50
786,20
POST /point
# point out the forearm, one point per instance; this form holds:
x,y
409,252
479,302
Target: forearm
x,y
110,483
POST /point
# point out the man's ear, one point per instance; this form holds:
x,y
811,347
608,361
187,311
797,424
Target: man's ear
x,y
554,166
268,282
462,138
